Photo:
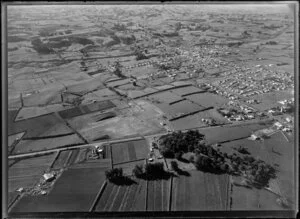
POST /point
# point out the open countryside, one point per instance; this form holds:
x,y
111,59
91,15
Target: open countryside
x,y
151,108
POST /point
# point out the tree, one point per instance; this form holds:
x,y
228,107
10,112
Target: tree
x,y
114,174
118,70
174,165
138,171
154,170
178,155
192,159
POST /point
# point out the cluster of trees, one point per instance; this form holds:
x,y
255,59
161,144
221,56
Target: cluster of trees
x,y
40,47
119,27
128,40
150,171
115,40
140,54
80,40
47,48
209,159
114,175
242,150
213,165
200,27
177,143
230,44
59,43
14,39
178,26
271,43
260,172
118,69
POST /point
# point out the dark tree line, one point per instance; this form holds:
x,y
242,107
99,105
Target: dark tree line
x,y
151,171
209,159
177,143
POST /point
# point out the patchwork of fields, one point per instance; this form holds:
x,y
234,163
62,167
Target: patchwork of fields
x,y
94,88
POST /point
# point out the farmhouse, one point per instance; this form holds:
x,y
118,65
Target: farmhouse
x,y
278,125
48,177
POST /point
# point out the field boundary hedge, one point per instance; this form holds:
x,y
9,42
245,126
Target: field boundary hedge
x,y
192,113
159,91
51,136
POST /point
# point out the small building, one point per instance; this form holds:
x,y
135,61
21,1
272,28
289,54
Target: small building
x,y
278,125
48,177
254,137
288,119
286,129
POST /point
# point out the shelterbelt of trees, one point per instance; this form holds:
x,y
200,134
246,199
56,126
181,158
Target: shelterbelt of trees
x,y
208,159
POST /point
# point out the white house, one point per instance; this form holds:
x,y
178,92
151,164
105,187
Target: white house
x,y
48,177
278,125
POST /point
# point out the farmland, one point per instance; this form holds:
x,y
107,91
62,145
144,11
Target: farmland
x,y
158,197
148,108
165,97
66,195
46,143
31,112
84,109
26,172
207,99
128,167
271,100
45,125
253,199
179,108
123,198
194,121
200,191
129,151
229,133
186,91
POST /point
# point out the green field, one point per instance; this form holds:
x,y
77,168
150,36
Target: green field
x,y
129,151
25,146
123,198
26,172
66,196
158,195
200,192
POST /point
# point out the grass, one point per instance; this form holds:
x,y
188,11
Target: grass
x,y
182,107
200,191
85,109
38,126
25,146
61,159
158,195
31,112
253,199
129,151
229,133
186,90
207,99
165,97
26,172
123,198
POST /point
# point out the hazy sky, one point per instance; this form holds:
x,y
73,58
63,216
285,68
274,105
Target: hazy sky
x,y
272,8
